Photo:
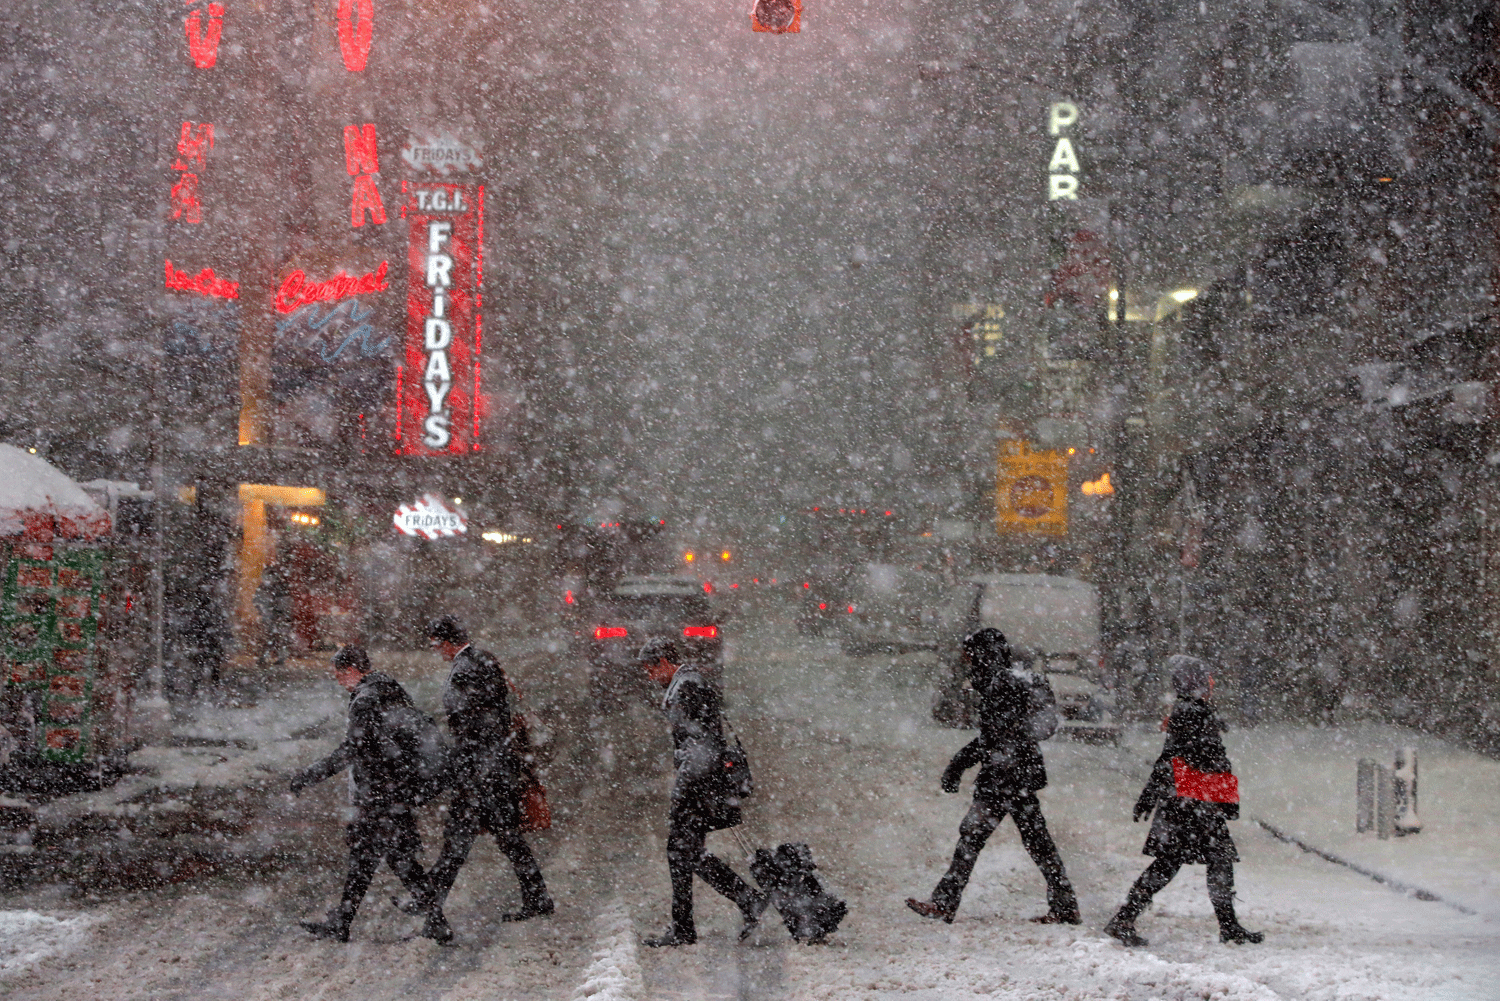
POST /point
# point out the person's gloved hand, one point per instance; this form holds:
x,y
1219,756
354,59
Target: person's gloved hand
x,y
951,778
1143,808
296,785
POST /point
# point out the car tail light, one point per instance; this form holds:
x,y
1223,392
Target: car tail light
x,y
708,588
610,632
851,609
822,606
568,597
701,632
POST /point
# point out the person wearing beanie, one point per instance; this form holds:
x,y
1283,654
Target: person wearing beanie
x,y
1193,792
1014,714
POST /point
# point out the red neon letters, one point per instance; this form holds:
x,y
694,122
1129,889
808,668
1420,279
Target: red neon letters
x,y
190,152
204,46
297,291
361,162
204,282
354,36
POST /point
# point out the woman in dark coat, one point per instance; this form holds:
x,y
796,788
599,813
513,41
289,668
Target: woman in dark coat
x,y
1193,791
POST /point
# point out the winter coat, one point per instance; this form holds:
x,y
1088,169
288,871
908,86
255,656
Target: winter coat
x,y
486,770
377,748
1189,830
700,793
1014,714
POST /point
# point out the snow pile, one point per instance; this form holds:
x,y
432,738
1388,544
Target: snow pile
x,y
614,975
27,937
35,495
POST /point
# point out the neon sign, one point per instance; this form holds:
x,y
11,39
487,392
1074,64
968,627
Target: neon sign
x,y
297,291
355,33
360,160
439,400
186,205
1063,171
204,282
203,46
430,518
780,17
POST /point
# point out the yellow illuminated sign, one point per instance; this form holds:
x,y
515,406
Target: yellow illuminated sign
x,y
1031,490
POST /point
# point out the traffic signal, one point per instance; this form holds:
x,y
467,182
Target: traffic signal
x,y
779,17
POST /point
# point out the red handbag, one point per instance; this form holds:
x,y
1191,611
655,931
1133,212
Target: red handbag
x,y
536,815
1209,787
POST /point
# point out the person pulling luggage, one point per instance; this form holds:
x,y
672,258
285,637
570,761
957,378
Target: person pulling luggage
x,y
702,799
1193,791
488,778
384,747
1013,717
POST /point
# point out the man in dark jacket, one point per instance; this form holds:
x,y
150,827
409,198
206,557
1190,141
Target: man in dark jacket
x,y
1192,792
486,773
1013,716
701,798
381,748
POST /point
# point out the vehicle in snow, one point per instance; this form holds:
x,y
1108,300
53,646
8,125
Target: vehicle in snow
x,y
615,625
897,608
1052,623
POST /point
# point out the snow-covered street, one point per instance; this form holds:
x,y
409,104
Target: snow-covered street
x,y
846,758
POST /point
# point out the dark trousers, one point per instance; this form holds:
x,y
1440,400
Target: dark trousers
x,y
391,836
979,823
686,857
465,821
1160,872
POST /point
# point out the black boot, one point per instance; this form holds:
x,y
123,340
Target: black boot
x,y
336,928
751,909
1221,895
436,927
1122,927
531,909
673,937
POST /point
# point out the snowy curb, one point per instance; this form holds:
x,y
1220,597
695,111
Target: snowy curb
x,y
615,974
1327,856
27,938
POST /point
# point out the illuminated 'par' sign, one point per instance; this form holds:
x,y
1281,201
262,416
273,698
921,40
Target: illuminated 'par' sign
x,y
1063,171
430,518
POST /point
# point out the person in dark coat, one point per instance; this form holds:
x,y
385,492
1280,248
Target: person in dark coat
x,y
386,784
486,773
701,798
1013,715
1193,793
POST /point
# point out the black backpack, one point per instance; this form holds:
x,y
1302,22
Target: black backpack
x,y
424,752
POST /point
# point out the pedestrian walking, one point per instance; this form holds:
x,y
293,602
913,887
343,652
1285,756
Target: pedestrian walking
x,y
1014,714
487,775
1194,792
273,603
703,798
384,747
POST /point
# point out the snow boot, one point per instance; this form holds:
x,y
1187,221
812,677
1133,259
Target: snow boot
x,y
333,928
672,938
928,909
1234,934
1122,928
538,909
1059,916
751,910
436,927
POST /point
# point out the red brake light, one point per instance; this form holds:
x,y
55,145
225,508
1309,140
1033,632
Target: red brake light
x,y
610,632
568,597
708,588
851,609
805,585
822,606
702,632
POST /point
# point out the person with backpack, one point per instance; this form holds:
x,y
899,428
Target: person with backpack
x,y
705,796
388,746
1193,791
488,774
1015,712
